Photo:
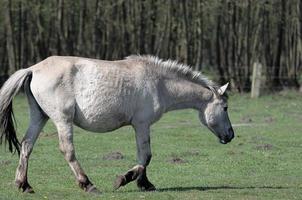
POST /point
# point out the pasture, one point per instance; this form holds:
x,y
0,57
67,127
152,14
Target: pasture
x,y
262,162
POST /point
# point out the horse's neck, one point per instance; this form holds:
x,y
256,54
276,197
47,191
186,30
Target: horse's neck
x,y
182,94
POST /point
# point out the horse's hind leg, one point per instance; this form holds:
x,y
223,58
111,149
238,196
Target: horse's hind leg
x,y
37,122
139,172
65,132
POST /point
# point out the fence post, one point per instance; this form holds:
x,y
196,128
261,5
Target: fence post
x,y
256,80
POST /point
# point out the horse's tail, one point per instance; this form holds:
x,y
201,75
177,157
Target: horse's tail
x,y
7,93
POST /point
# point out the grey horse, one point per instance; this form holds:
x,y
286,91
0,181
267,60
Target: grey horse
x,y
102,96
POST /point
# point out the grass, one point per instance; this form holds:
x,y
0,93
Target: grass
x,y
262,162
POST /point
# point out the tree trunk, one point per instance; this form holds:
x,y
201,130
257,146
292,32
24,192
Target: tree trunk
x,y
9,38
218,51
97,36
277,65
142,46
81,44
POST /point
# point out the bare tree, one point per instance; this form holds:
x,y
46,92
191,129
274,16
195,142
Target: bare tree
x,y
9,37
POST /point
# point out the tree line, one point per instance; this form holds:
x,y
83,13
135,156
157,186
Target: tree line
x,y
223,37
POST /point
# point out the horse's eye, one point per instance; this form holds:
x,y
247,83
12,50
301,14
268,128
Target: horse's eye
x,y
225,109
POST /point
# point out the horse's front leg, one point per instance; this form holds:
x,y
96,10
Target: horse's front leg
x,y
139,172
65,133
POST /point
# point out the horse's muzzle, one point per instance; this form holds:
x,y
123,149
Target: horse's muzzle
x,y
228,137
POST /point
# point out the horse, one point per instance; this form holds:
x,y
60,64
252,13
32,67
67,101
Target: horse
x,y
101,96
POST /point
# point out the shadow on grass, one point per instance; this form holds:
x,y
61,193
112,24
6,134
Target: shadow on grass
x,y
223,187
209,188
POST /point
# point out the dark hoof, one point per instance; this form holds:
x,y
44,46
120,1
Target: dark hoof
x,y
29,190
93,190
147,189
146,186
119,181
25,187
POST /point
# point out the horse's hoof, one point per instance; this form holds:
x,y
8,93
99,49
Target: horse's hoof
x,y
151,188
24,186
119,181
147,187
29,190
93,190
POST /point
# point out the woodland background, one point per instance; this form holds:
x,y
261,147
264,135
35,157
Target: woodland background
x,y
222,37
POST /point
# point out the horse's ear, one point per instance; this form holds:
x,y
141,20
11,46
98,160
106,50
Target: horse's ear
x,y
222,89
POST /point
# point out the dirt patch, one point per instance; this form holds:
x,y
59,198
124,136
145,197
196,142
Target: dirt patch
x,y
113,156
264,147
246,119
231,152
177,160
269,119
5,162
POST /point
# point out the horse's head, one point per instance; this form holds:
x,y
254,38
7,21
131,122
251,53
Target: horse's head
x,y
214,115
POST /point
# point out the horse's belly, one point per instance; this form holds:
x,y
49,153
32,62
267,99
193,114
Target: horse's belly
x,y
102,111
100,122
99,112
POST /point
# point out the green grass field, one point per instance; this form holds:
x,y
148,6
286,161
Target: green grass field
x,y
263,161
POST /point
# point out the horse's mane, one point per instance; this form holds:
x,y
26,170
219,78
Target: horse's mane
x,y
174,67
